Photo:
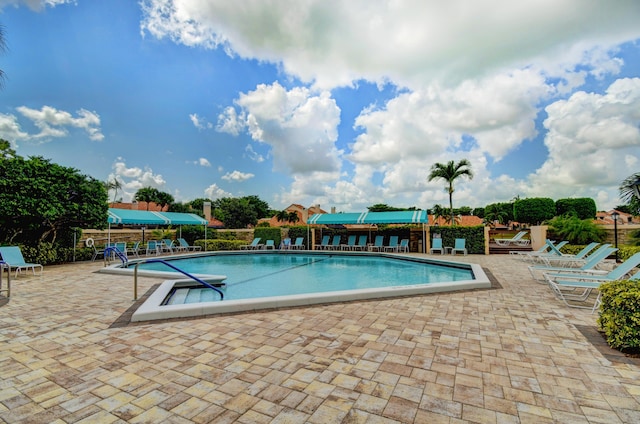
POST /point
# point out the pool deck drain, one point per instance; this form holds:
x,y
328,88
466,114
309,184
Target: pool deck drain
x,y
509,355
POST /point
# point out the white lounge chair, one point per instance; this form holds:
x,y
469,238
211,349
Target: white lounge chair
x,y
517,239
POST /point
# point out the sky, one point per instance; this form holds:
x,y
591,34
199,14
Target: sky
x,y
342,104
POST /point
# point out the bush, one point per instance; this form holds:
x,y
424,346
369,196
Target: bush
x,y
268,233
576,230
534,210
220,244
474,237
620,314
583,208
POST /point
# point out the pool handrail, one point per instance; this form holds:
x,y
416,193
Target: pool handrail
x,y
193,277
115,251
4,265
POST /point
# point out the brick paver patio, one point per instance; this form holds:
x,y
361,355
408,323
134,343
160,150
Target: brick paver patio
x,y
513,354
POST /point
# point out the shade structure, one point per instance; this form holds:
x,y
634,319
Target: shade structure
x,y
351,218
135,217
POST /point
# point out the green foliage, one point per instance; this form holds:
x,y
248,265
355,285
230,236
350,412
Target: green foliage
x,y
474,237
220,244
192,233
501,212
534,210
575,230
43,202
479,212
298,231
269,233
620,313
263,224
260,207
625,252
583,208
450,172
163,233
240,212
634,238
382,207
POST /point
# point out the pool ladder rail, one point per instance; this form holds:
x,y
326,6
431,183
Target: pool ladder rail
x,y
4,265
193,277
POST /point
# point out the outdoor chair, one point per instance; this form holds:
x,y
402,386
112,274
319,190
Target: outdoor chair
x,y
254,245
183,243
377,245
351,242
324,243
393,244
12,257
459,246
436,244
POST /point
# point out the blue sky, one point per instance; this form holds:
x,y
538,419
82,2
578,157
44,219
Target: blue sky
x,y
342,104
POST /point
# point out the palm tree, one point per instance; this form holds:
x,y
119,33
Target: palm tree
x,y
450,172
116,185
630,192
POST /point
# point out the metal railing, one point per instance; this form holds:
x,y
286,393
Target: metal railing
x,y
4,265
115,251
193,277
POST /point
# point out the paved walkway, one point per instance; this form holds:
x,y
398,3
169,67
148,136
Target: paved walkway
x,y
508,355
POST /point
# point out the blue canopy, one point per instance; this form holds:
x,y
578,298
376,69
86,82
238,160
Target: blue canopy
x,y
136,217
396,217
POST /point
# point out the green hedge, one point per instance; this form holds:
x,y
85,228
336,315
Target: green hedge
x,y
474,237
620,314
220,244
268,233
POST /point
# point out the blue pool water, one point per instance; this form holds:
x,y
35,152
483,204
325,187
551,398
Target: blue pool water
x,y
259,275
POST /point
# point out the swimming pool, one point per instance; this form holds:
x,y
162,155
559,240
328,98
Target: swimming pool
x,y
260,280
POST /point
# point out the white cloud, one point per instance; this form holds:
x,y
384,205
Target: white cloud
x,y
199,122
203,162
133,179
298,125
411,42
230,122
10,129
53,123
237,176
36,5
214,192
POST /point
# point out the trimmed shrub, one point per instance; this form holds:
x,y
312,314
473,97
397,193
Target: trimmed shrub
x,y
474,237
534,210
583,208
620,314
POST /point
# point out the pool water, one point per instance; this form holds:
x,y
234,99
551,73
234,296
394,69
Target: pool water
x,y
261,275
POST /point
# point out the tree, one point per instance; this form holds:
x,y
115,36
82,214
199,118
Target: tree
x,y
383,207
235,212
630,192
114,185
450,172
282,216
260,207
583,207
41,201
534,210
146,194
163,199
293,217
576,230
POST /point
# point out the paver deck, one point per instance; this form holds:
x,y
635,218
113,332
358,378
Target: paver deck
x,y
508,355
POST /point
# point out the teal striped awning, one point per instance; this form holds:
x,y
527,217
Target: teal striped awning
x,y
351,218
136,217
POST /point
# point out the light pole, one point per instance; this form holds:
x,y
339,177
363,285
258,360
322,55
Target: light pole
x,y
615,215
